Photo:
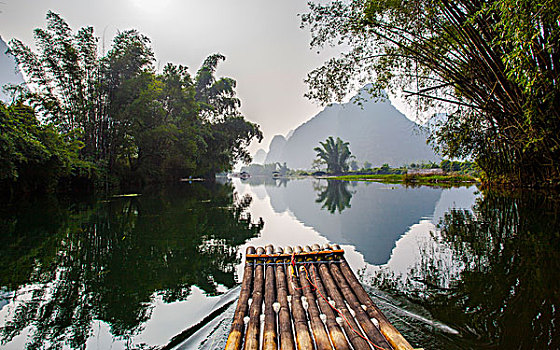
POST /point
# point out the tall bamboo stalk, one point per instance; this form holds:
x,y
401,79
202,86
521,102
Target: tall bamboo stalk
x,y
361,316
235,337
387,329
317,327
284,317
350,326
303,337
269,336
254,326
335,332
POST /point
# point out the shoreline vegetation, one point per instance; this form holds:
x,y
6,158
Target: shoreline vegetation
x,y
448,179
445,173
94,122
405,179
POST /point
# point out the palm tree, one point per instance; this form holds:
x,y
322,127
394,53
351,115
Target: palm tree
x,y
335,154
335,196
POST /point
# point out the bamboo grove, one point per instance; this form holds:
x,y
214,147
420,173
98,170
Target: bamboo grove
x,y
133,125
485,73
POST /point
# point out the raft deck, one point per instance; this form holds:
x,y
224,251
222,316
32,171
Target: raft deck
x,y
306,298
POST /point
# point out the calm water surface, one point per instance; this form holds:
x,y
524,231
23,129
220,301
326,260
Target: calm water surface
x,y
452,268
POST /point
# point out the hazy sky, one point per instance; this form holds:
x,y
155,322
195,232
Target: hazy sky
x,y
267,52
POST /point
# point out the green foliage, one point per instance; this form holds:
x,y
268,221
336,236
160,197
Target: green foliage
x,y
384,169
458,167
335,154
35,157
490,69
412,180
423,165
136,125
216,97
226,143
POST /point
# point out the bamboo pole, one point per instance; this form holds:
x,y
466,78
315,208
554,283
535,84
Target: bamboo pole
x,y
317,327
361,316
284,317
235,337
303,338
269,336
351,327
253,327
335,332
386,328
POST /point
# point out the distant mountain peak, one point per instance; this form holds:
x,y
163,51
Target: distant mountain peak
x,y
259,156
376,130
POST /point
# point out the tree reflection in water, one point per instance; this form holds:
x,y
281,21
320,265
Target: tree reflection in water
x,y
335,196
106,260
506,290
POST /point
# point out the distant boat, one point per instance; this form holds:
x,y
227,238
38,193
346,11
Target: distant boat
x,y
244,175
196,179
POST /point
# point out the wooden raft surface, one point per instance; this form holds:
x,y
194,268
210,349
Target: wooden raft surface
x,y
306,298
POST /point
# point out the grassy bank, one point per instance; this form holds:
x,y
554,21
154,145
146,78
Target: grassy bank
x,y
412,179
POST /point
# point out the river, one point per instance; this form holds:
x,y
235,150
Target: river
x,y
452,268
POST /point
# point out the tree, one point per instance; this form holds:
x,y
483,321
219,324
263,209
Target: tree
x,y
489,68
335,154
74,88
228,134
354,165
216,96
317,164
35,157
136,125
282,169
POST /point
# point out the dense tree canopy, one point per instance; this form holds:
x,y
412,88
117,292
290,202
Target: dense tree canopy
x,y
134,125
490,70
35,157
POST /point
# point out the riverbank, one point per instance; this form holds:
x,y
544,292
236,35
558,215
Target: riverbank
x,y
451,179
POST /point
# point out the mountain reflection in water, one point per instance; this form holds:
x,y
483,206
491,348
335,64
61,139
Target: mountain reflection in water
x,y
372,218
491,272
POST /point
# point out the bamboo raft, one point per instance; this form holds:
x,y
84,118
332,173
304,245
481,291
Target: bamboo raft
x,y
306,298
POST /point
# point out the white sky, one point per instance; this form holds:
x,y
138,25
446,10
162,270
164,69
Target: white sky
x,y
266,51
